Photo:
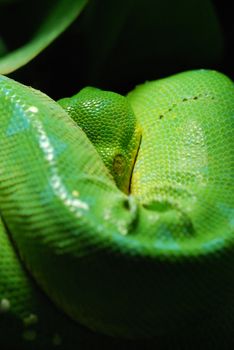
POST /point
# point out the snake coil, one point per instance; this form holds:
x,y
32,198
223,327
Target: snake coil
x,y
133,238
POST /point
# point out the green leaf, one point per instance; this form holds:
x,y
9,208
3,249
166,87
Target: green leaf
x,y
61,16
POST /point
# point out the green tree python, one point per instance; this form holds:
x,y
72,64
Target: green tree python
x,y
118,211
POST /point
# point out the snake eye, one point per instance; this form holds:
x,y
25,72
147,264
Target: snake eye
x,y
119,165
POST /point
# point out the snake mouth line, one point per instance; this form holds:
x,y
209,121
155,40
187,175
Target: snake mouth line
x,y
133,166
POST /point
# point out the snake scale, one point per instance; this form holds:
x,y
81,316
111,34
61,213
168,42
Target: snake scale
x,y
120,209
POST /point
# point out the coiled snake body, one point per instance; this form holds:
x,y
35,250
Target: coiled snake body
x,y
125,221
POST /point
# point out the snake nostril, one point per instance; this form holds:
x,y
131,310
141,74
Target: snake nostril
x,y
126,204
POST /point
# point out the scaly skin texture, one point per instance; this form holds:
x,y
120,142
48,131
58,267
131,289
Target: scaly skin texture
x,y
102,116
142,249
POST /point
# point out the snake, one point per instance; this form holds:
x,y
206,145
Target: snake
x,y
117,212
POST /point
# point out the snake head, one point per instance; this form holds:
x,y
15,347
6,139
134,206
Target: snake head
x,y
110,124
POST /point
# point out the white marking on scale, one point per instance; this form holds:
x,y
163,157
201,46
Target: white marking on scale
x,y
33,109
4,305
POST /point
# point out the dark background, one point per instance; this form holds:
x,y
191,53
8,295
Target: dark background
x,y
116,45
